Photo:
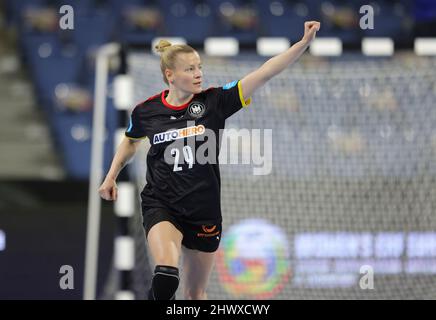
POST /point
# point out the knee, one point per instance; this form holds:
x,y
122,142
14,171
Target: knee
x,y
167,255
166,258
195,294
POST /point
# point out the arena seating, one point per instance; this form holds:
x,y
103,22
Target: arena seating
x,y
61,62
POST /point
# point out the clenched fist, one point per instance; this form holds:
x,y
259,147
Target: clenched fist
x,y
310,29
108,190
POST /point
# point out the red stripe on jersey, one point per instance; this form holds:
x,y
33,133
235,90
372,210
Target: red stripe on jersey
x,y
149,99
165,102
153,97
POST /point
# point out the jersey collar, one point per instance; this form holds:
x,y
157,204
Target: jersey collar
x,y
168,105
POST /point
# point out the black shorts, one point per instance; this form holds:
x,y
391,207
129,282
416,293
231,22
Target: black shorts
x,y
204,238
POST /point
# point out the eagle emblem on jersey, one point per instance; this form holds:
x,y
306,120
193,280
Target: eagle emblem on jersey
x,y
196,109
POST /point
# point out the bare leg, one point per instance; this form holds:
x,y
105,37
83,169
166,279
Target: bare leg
x,y
197,267
165,241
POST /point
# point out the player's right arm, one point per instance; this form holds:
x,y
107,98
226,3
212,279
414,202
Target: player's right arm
x,y
126,150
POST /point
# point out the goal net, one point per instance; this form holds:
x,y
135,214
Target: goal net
x,y
338,197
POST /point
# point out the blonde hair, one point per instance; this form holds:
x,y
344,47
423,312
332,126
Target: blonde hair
x,y
168,54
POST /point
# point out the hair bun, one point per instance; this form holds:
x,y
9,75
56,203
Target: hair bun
x,y
162,45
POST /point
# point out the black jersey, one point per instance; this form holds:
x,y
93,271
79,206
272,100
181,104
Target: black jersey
x,y
188,188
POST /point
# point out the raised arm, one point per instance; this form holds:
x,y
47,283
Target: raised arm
x,y
277,64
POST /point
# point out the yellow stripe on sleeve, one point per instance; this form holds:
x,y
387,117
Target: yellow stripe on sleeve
x,y
244,102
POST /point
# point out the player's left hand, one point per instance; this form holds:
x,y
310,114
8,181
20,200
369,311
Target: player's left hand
x,y
310,29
